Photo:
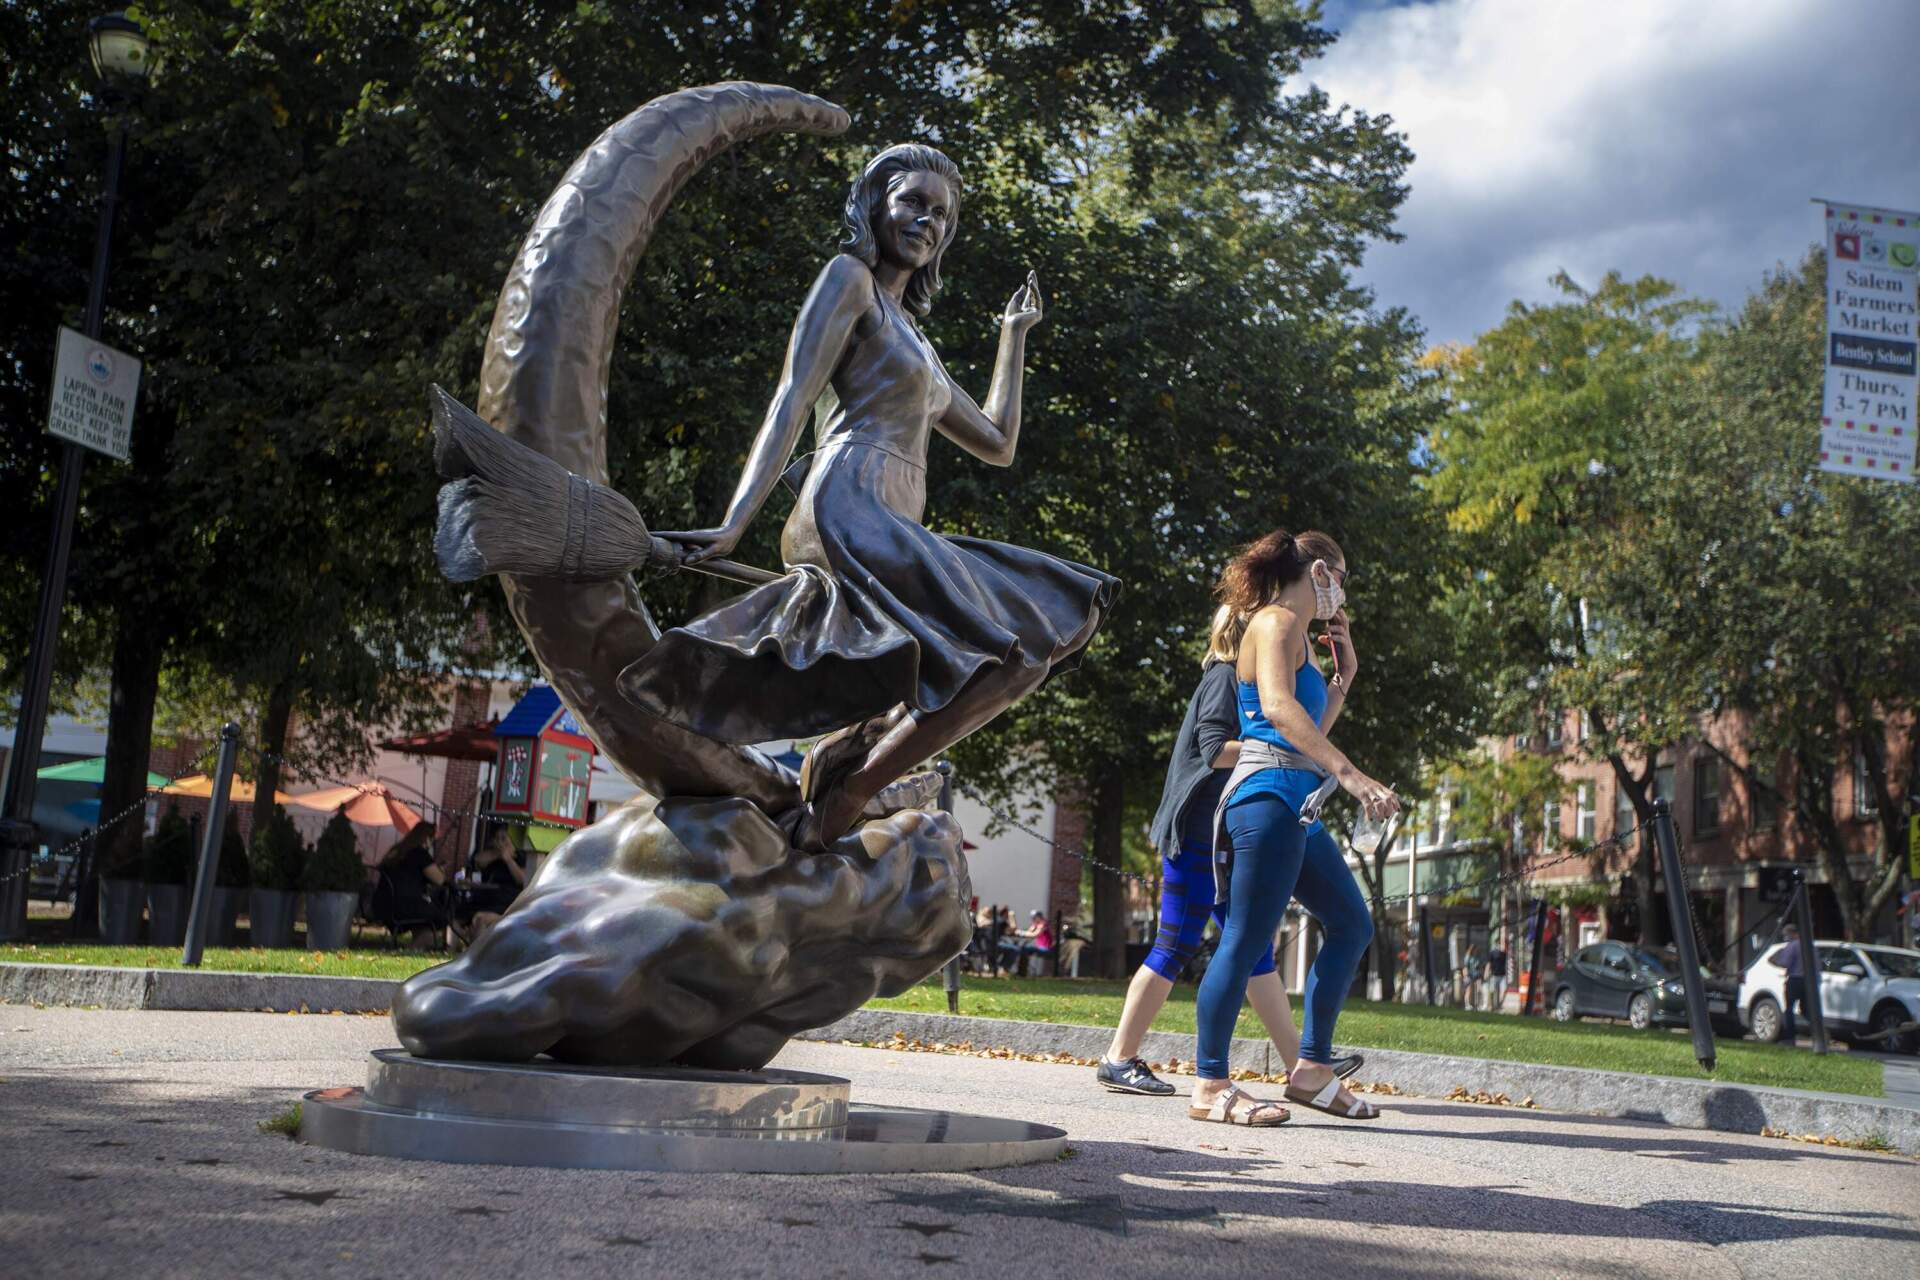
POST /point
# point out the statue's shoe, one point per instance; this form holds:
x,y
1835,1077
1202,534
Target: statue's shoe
x,y
915,791
841,752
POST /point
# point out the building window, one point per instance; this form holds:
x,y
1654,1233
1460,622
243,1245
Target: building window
x,y
1765,804
1586,726
1555,727
1706,796
1863,805
1623,815
1523,742
1431,838
1550,825
1583,811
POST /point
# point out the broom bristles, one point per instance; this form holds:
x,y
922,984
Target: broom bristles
x,y
511,509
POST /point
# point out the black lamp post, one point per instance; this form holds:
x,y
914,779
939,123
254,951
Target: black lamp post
x,y
122,58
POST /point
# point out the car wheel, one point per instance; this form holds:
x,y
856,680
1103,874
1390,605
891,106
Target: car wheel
x,y
1765,1021
1640,1011
1885,1019
1563,1005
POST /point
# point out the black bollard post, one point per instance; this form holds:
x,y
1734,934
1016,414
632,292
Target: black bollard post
x,y
1809,965
950,975
210,848
1426,951
1539,945
1680,916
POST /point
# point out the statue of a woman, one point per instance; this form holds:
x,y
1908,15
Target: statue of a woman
x,y
899,640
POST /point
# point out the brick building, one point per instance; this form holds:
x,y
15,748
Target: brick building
x,y
1730,830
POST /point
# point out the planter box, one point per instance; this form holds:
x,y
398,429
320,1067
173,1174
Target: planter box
x,y
223,925
166,914
121,902
330,920
270,916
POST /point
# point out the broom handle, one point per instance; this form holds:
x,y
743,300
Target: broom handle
x,y
732,570
746,573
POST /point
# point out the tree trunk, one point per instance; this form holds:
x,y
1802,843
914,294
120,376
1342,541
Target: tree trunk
x,y
1654,931
1382,936
137,654
273,746
1109,890
1813,804
1893,823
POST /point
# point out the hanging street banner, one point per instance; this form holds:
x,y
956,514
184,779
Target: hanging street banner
x,y
1873,324
94,391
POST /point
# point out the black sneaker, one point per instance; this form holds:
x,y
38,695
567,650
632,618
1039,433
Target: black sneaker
x,y
1131,1076
1344,1067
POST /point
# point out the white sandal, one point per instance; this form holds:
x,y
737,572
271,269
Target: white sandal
x,y
1258,1114
1356,1109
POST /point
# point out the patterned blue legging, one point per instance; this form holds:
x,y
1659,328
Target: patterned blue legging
x,y
1274,861
1186,903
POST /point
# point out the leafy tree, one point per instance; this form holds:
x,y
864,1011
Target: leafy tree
x,y
1538,466
291,299
327,197
1778,594
1156,455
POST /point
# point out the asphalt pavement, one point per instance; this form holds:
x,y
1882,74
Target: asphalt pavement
x,y
132,1150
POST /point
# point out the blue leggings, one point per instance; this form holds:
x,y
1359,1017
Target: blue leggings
x,y
1186,903
1275,860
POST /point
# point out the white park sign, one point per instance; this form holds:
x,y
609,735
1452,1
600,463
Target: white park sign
x,y
94,391
1873,321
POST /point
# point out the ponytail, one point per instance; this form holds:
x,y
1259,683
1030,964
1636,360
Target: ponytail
x,y
1265,567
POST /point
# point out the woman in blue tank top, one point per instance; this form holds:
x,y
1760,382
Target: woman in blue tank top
x,y
1287,707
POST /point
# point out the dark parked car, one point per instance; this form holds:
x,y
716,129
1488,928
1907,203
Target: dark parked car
x,y
1614,980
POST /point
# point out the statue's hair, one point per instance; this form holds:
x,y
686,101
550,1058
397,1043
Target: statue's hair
x,y
869,195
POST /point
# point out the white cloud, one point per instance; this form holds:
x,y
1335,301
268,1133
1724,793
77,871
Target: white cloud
x,y
1680,138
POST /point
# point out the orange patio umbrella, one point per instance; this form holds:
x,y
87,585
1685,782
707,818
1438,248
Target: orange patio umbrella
x,y
199,784
368,803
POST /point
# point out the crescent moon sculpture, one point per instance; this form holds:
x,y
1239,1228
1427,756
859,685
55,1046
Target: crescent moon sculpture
x,y
544,384
684,927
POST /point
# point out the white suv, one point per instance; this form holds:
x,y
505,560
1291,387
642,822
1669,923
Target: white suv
x,y
1864,990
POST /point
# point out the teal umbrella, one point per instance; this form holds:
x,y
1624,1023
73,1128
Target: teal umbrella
x,y
94,771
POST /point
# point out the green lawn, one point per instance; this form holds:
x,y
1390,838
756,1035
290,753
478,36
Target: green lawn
x,y
340,964
1364,1024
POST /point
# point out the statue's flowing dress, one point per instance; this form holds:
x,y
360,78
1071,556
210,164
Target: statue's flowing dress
x,y
874,610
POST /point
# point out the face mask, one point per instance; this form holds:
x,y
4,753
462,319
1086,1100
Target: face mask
x,y
1328,599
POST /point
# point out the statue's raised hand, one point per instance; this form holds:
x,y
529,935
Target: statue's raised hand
x,y
698,545
1024,308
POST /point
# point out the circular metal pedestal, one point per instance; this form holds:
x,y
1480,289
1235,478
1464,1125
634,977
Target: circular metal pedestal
x,y
673,1120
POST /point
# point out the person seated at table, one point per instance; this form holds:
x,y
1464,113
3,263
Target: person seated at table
x,y
1006,941
418,882
1038,941
498,877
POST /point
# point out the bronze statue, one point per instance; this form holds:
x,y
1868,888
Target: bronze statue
x,y
894,641
899,640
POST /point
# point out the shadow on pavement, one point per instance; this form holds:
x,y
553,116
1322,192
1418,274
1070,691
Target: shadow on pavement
x,y
1695,1145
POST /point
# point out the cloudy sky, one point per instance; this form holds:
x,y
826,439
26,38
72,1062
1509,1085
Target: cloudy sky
x,y
1679,138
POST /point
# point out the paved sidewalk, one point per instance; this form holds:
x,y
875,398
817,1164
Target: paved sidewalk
x,y
132,1151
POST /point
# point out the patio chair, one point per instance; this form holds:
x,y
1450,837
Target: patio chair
x,y
386,909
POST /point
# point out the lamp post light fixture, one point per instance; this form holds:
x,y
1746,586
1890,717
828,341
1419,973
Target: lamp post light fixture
x,y
122,57
120,50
